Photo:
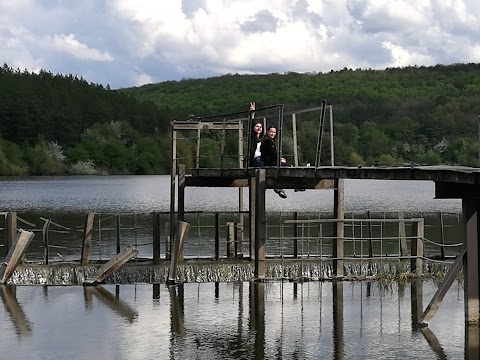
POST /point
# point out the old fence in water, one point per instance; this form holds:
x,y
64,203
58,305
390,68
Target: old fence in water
x,y
222,235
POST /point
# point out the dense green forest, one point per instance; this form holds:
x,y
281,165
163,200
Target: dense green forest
x,y
61,124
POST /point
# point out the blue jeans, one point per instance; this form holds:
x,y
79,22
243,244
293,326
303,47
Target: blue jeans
x,y
257,162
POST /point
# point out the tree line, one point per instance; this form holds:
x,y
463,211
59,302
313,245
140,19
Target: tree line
x,y
61,124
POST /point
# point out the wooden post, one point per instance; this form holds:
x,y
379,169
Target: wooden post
x,y
338,230
15,254
417,248
370,235
112,265
87,237
295,236
442,236
177,249
332,151
470,208
173,175
10,230
156,238
217,236
181,192
402,234
45,241
197,153
294,134
230,239
251,215
260,224
238,240
117,231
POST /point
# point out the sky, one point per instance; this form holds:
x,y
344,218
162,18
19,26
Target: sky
x,y
125,43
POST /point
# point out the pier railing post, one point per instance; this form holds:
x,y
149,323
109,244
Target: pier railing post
x,y
87,237
417,247
295,235
251,216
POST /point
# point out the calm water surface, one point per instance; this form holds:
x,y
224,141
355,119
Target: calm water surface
x,y
152,193
228,321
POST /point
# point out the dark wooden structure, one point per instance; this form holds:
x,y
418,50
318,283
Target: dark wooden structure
x,y
451,182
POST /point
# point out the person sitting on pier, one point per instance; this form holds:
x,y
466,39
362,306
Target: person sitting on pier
x,y
268,151
255,154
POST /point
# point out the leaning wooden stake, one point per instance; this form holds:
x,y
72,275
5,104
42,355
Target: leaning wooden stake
x,y
15,254
112,265
182,231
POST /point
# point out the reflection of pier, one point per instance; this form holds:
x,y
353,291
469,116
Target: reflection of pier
x,y
17,315
110,300
283,323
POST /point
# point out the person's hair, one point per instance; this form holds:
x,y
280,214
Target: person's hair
x,y
270,127
253,130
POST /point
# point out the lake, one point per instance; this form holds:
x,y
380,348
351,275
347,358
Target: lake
x,y
314,320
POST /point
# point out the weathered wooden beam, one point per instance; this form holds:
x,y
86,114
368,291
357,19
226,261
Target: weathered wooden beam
x,y
203,125
87,237
14,256
181,235
112,265
442,290
10,230
156,238
416,247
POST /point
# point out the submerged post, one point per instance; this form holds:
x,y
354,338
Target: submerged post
x,y
181,233
87,237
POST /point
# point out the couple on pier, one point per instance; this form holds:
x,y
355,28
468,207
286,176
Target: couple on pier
x,y
263,150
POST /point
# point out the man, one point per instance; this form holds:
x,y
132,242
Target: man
x,y
268,151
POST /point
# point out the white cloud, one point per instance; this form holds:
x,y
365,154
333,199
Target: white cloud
x,y
70,45
151,41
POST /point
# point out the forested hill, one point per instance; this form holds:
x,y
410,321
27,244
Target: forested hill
x,y
55,124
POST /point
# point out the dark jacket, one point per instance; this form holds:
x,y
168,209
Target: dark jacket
x,y
269,152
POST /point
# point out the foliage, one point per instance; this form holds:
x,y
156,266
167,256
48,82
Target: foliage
x,y
58,124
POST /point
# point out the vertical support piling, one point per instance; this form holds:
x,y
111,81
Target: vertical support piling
x,y
442,235
252,218
338,230
417,248
10,230
173,175
181,199
156,238
338,331
294,134
238,240
470,208
260,224
87,237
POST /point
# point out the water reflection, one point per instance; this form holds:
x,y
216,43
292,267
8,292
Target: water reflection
x,y
17,315
332,320
111,301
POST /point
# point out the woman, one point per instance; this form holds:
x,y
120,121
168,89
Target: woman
x,y
256,143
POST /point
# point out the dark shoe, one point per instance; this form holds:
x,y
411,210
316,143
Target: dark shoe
x,y
281,193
